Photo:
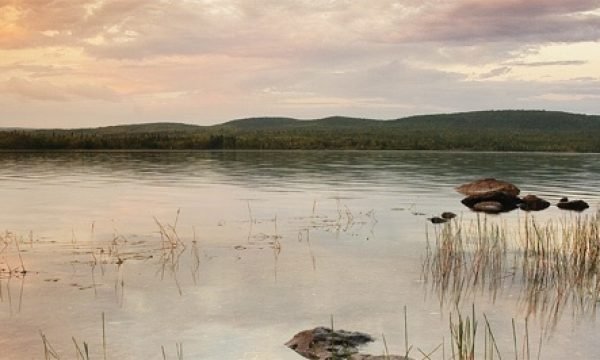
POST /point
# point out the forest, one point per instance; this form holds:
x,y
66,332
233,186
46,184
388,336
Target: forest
x,y
473,131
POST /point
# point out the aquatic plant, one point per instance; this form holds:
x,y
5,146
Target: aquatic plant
x,y
552,264
7,241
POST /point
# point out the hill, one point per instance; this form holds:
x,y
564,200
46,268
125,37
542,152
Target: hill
x,y
275,123
508,130
505,120
145,128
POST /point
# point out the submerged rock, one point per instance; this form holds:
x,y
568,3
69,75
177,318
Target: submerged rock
x,y
575,205
507,202
489,207
487,186
322,343
533,203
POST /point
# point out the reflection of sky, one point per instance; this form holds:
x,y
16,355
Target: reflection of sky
x,y
249,301
63,190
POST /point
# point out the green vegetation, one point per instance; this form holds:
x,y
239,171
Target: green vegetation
x,y
515,130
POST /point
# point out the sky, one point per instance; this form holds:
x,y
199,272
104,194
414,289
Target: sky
x,y
82,63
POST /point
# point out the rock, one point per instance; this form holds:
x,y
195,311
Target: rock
x,y
508,202
487,186
322,343
490,207
533,203
448,215
575,205
437,220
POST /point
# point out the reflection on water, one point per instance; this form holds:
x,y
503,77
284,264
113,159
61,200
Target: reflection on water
x,y
552,267
305,168
227,254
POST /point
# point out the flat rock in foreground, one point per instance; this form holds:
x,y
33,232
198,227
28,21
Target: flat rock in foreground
x,y
322,343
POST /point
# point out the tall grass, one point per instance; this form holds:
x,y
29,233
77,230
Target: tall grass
x,y
465,257
552,264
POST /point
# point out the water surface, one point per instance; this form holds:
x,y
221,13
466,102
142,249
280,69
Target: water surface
x,y
269,243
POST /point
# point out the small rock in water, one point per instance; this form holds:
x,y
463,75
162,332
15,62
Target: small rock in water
x,y
437,220
448,215
575,205
533,203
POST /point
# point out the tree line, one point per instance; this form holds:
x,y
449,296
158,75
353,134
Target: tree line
x,y
306,139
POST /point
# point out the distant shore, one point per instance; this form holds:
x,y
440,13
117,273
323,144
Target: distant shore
x,y
510,130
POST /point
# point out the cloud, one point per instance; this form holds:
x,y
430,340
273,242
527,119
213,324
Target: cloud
x,y
93,92
40,90
47,91
547,63
140,29
506,20
495,72
36,70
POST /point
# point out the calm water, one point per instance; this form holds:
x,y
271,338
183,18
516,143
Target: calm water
x,y
270,243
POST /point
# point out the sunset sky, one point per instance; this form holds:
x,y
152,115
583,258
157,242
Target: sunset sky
x,y
80,63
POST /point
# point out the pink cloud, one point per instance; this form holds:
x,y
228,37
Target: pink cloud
x,y
534,21
139,28
47,91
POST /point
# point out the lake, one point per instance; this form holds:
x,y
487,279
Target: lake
x,y
226,255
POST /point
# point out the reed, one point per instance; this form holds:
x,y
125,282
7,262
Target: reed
x,y
49,352
463,333
79,354
553,263
465,257
178,349
103,337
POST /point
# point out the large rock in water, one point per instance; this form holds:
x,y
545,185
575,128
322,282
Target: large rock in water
x,y
322,343
488,186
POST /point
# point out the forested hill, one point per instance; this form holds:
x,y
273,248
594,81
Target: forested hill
x,y
514,130
506,120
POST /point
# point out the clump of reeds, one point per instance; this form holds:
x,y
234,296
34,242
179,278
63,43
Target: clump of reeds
x,y
168,234
463,333
464,339
465,257
554,263
560,263
172,249
7,241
